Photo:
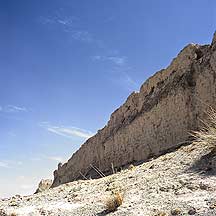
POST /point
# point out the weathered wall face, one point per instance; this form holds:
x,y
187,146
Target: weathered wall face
x,y
154,120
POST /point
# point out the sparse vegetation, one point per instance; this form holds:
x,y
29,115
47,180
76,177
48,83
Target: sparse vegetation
x,y
113,202
207,135
161,214
131,167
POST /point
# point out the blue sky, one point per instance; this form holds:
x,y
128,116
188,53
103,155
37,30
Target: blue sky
x,y
65,66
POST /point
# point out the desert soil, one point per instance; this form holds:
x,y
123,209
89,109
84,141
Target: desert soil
x,y
182,182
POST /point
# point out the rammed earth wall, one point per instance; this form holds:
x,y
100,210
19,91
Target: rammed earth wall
x,y
152,121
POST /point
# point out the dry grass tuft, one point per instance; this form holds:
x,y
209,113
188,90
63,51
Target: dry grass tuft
x,y
13,214
207,135
161,214
131,167
113,202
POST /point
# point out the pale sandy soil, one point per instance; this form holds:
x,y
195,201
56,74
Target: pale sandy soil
x,y
179,182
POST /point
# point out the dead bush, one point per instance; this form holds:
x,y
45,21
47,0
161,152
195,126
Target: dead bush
x,y
114,201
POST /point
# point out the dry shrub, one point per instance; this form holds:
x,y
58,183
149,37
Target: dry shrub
x,y
131,167
207,135
2,212
161,214
114,201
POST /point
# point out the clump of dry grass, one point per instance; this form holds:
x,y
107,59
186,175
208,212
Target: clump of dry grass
x,y
131,167
114,201
161,214
207,135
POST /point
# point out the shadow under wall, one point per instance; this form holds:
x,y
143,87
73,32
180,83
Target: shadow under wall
x,y
206,164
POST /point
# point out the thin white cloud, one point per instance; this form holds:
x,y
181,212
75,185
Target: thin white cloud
x,y
28,186
13,109
10,163
97,58
55,158
4,164
82,35
67,21
68,132
46,20
69,25
58,19
35,158
125,81
48,157
129,83
117,60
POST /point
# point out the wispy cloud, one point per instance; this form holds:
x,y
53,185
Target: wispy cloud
x,y
4,164
10,163
125,81
68,132
68,21
82,35
117,60
129,83
55,158
36,159
70,25
12,109
73,27
28,186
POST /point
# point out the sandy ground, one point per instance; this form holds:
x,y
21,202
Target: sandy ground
x,y
178,183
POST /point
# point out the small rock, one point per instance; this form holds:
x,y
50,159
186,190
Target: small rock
x,y
164,189
176,211
2,212
13,203
152,166
192,187
192,211
203,186
44,184
161,214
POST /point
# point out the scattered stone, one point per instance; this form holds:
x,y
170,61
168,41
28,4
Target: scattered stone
x,y
203,186
176,211
44,184
164,189
2,212
161,214
192,211
13,203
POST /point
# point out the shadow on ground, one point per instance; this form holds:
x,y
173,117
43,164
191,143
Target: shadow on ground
x,y
206,164
103,213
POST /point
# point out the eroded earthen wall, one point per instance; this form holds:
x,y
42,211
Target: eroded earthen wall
x,y
152,121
